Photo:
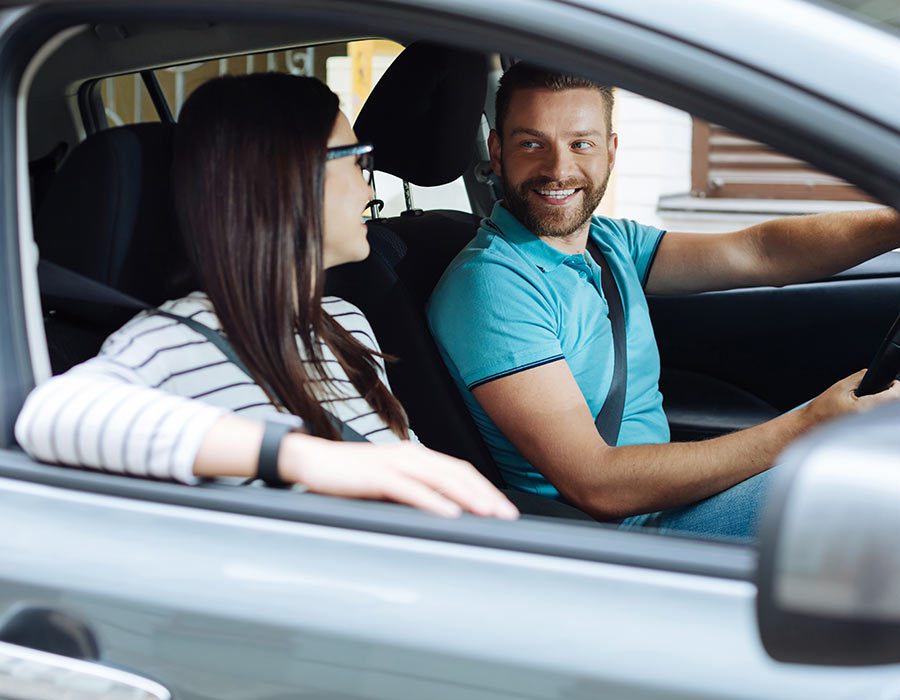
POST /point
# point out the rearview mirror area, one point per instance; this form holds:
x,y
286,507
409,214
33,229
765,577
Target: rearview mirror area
x,y
829,569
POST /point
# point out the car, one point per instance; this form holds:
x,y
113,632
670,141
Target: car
x,y
115,586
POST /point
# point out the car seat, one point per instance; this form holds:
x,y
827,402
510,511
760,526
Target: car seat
x,y
422,117
107,215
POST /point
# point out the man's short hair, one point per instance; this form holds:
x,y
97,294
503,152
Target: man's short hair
x,y
522,76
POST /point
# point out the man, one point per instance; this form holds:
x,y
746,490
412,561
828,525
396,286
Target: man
x,y
522,323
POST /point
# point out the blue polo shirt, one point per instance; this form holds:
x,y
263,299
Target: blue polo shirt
x,y
509,302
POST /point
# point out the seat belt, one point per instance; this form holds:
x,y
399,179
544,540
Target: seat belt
x,y
59,281
609,420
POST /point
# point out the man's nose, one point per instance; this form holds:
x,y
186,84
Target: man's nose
x,y
558,163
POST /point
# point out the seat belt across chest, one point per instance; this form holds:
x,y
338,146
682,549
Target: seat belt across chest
x,y
609,419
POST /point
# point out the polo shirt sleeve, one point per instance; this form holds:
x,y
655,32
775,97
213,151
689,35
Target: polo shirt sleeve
x,y
489,322
642,242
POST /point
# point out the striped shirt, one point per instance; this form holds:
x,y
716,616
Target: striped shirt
x,y
143,405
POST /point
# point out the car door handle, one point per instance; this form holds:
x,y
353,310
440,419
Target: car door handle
x,y
50,630
28,674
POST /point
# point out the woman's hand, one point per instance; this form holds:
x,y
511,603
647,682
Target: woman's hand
x,y
404,472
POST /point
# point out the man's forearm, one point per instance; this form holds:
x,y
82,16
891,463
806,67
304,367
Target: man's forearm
x,y
804,248
633,479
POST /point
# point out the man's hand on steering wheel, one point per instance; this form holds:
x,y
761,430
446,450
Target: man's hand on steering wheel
x,y
841,398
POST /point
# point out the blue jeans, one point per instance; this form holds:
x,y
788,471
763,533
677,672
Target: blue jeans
x,y
733,513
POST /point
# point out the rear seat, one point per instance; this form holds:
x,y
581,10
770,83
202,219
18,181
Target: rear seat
x,y
107,215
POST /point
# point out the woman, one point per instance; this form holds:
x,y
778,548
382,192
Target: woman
x,y
270,189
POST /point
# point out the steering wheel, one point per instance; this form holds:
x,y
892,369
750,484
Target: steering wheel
x,y
885,366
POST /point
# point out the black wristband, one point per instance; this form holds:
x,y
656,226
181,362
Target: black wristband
x,y
267,466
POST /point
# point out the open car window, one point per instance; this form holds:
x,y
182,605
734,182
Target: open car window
x,y
653,182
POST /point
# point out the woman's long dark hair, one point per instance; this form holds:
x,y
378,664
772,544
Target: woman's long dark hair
x,y
249,174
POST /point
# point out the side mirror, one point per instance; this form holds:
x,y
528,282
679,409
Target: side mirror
x,y
829,569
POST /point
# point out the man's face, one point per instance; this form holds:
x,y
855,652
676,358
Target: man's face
x,y
555,158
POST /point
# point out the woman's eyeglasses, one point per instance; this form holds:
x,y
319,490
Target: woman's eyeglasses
x,y
365,158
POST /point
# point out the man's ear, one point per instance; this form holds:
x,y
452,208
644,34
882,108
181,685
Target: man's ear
x,y
612,145
495,150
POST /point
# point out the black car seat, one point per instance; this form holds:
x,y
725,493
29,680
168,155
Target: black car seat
x,y
107,215
423,117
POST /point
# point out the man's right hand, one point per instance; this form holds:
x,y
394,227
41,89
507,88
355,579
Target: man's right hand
x,y
841,398
544,414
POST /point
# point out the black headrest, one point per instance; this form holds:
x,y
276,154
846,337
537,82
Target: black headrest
x,y
108,214
424,113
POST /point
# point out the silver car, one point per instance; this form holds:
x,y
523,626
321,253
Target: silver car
x,y
117,587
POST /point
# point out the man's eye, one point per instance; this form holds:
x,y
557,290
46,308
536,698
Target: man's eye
x,y
582,145
530,145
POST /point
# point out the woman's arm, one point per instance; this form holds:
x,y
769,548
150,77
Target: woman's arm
x,y
404,472
100,416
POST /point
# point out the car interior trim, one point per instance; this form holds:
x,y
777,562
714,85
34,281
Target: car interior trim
x,y
28,253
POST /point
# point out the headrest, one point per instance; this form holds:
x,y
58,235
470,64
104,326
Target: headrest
x,y
424,114
108,214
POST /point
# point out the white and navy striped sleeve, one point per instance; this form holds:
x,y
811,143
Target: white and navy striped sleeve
x,y
101,415
107,413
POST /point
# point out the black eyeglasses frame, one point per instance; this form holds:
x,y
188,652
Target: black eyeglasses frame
x,y
365,157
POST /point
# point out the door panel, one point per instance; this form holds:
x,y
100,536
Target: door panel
x,y
770,346
222,605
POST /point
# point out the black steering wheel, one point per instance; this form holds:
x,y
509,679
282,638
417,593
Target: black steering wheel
x,y
885,366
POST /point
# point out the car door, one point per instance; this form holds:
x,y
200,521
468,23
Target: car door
x,y
222,592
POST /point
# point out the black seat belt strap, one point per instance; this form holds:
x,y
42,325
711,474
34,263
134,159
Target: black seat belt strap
x,y
609,420
61,282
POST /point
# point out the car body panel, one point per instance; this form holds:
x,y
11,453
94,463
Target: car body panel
x,y
251,607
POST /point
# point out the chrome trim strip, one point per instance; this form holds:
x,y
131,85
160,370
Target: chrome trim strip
x,y
28,674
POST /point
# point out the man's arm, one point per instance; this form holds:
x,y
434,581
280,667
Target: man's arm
x,y
543,413
778,252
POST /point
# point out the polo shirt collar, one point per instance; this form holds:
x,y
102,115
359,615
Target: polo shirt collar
x,y
544,256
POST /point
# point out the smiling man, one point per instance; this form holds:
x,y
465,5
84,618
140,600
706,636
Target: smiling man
x,y
523,323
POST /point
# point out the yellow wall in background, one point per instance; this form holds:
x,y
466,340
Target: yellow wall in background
x,y
361,54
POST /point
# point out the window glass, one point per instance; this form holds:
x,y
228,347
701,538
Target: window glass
x,y
680,173
126,100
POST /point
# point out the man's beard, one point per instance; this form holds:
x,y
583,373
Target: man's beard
x,y
549,220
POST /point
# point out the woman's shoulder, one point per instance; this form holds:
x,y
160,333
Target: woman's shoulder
x,y
351,318
196,306
337,306
150,330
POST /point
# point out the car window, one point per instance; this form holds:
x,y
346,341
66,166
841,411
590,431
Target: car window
x,y
682,173
126,100
663,179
